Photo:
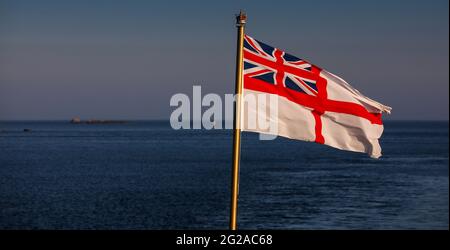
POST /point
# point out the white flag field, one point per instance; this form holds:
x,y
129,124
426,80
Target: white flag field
x,y
286,96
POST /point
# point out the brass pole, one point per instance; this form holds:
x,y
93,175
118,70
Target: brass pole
x,y
240,23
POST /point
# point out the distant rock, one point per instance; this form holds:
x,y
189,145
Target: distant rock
x,y
77,120
27,130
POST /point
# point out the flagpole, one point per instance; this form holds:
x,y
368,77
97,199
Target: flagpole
x,y
240,23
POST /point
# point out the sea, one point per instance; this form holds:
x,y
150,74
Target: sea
x,y
145,175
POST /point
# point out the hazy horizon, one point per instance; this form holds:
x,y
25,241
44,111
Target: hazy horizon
x,y
124,60
168,120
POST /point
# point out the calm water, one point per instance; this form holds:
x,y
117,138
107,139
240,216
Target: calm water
x,y
144,175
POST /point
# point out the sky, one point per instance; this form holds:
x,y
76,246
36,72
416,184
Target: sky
x,y
125,59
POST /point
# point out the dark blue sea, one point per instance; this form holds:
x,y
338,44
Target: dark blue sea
x,y
144,175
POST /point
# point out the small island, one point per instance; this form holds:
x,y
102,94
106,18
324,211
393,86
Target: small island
x,y
77,120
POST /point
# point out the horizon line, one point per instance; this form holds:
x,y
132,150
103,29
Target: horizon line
x,y
168,120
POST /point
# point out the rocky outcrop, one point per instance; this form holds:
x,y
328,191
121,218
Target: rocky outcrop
x,y
77,120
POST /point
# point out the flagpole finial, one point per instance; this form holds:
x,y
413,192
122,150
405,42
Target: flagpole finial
x,y
241,18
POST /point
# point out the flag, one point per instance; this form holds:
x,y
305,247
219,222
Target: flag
x,y
312,104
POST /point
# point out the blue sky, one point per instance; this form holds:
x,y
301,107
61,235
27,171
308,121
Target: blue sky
x,y
125,59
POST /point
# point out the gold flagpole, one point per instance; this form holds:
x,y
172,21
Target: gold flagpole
x,y
240,23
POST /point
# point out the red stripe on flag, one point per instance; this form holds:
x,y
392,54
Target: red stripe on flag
x,y
318,126
312,102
